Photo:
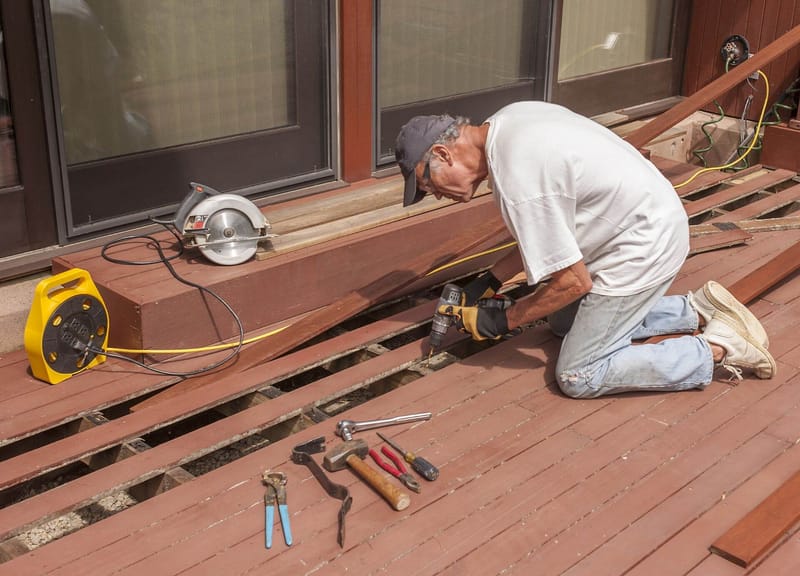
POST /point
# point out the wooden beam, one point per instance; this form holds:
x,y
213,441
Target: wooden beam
x,y
315,323
768,275
763,526
714,89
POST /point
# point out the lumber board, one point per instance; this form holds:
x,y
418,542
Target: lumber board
x,y
723,239
342,217
458,245
767,275
753,535
715,89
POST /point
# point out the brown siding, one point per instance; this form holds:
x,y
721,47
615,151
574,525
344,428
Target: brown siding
x,y
760,22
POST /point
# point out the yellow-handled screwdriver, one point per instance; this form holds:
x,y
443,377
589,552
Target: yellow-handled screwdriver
x,y
418,463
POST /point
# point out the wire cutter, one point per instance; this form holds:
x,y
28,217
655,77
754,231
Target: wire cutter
x,y
398,470
276,493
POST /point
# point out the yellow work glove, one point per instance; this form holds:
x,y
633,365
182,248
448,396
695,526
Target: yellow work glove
x,y
483,286
482,323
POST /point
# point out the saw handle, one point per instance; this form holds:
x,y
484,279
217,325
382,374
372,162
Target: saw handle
x,y
398,499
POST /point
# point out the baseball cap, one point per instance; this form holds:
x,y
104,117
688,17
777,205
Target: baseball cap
x,y
414,139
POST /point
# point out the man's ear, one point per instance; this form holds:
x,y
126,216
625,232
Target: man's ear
x,y
443,153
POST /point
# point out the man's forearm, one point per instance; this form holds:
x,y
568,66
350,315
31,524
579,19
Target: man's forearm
x,y
564,287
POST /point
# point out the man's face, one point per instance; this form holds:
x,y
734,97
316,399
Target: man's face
x,y
445,176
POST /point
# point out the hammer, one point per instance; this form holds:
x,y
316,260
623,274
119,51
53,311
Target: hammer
x,y
352,453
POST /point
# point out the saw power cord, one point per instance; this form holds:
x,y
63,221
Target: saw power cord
x,y
166,261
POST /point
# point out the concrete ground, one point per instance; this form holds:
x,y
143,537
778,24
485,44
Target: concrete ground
x,y
16,297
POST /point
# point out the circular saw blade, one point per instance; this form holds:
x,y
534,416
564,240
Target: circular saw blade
x,y
230,238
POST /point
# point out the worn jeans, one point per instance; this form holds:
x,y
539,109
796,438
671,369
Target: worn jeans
x,y
597,355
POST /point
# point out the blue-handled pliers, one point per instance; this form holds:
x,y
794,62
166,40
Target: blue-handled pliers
x,y
276,493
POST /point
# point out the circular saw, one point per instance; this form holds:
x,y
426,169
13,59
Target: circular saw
x,y
226,228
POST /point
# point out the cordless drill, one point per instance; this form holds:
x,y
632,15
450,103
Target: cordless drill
x,y
451,296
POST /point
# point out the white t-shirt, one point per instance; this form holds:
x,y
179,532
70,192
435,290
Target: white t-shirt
x,y
570,189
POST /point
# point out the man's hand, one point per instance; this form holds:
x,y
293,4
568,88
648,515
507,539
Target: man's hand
x,y
483,286
481,322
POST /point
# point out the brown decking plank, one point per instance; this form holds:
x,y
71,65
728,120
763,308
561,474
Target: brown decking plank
x,y
575,523
763,526
15,378
496,504
737,191
176,452
346,307
234,530
715,88
782,329
733,264
632,542
34,415
225,389
767,275
411,393
715,241
761,207
45,408
457,474
689,547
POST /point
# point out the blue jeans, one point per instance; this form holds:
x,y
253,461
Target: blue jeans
x,y
598,357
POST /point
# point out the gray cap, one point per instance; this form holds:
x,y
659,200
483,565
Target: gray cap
x,y
414,139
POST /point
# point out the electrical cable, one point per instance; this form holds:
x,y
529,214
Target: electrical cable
x,y
699,153
749,149
166,261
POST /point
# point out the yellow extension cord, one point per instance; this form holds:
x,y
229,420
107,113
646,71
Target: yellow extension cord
x,y
217,347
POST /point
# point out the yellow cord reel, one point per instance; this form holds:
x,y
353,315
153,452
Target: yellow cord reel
x,y
67,317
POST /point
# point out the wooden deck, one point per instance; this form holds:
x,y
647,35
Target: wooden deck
x,y
531,482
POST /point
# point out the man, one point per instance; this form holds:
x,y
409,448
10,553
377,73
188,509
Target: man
x,y
603,231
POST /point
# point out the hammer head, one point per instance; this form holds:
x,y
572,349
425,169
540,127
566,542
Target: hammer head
x,y
336,459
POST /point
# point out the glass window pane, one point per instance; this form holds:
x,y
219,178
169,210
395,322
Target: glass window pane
x,y
601,36
9,172
136,75
430,50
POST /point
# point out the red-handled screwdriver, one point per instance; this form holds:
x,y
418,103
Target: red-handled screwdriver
x,y
418,463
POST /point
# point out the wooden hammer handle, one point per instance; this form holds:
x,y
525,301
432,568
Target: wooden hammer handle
x,y
398,499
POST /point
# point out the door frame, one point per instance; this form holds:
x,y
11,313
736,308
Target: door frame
x,y
28,102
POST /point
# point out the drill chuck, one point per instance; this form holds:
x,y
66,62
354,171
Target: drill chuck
x,y
451,296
